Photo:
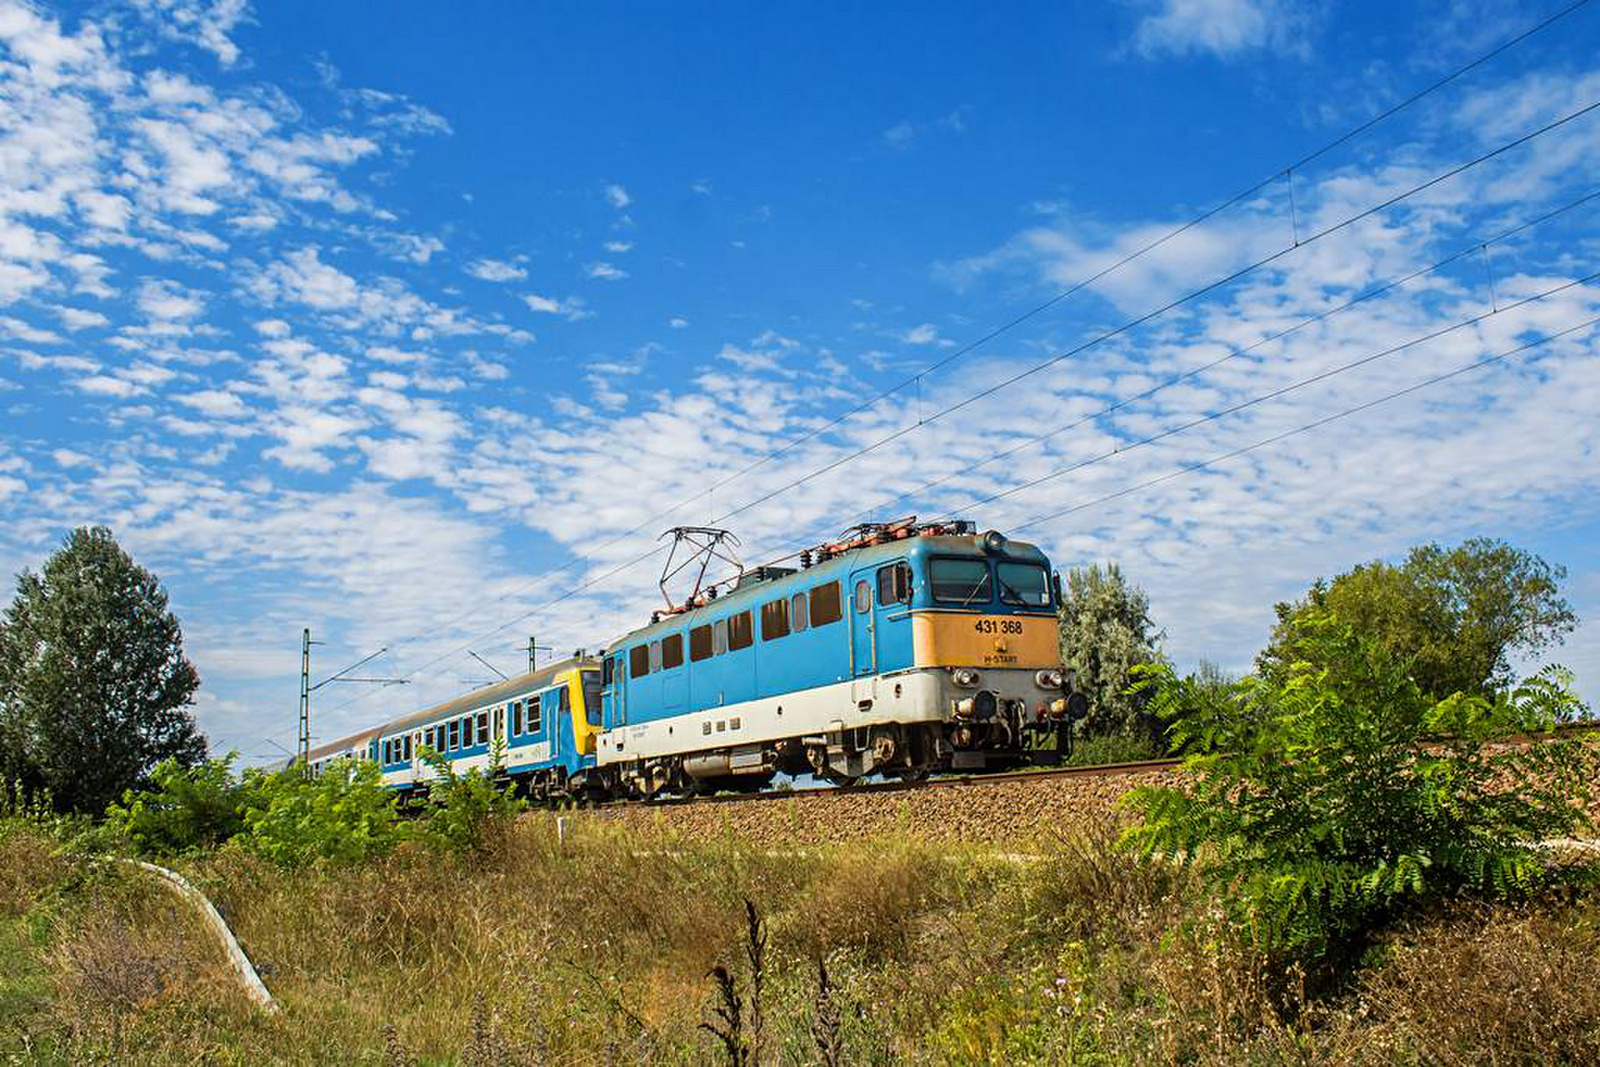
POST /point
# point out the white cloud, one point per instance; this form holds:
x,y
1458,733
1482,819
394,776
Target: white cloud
x,y
571,308
617,196
214,402
677,323
1223,28
165,301
926,334
605,272
205,23
494,270
619,246
80,319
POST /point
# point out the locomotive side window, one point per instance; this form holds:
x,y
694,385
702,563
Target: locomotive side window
x,y
1024,583
960,581
608,667
774,620
564,701
798,615
719,637
700,643
894,584
655,655
638,661
740,632
863,598
671,651
825,604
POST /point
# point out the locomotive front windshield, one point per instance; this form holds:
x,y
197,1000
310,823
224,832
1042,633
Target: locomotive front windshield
x,y
1024,584
959,581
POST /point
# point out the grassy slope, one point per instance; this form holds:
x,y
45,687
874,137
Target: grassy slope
x,y
596,950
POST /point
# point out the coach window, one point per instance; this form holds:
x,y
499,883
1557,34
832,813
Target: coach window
x,y
483,727
699,643
719,637
638,661
774,620
466,731
655,655
453,739
740,632
799,617
386,759
516,719
407,756
960,581
671,651
535,716
825,606
894,584
863,596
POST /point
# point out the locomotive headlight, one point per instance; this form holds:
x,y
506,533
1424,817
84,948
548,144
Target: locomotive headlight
x,y
965,677
994,541
1049,679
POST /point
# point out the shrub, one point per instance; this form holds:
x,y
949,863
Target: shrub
x,y
464,811
344,816
1330,799
185,808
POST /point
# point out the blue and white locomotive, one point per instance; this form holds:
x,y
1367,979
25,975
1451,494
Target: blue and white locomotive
x,y
904,650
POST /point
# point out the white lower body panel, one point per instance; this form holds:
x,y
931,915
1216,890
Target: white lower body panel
x,y
908,697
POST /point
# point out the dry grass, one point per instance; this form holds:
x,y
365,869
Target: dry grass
x,y
596,950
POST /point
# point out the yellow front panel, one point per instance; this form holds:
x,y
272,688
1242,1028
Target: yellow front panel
x,y
583,735
947,639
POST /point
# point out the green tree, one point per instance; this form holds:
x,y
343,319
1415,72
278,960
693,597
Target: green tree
x,y
1106,632
1326,799
1456,614
94,685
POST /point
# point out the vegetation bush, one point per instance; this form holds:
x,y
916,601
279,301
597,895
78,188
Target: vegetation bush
x,y
345,815
184,809
464,811
1334,797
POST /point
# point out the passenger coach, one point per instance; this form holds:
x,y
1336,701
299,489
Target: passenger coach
x,y
907,650
547,721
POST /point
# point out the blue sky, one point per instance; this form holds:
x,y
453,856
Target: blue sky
x,y
414,323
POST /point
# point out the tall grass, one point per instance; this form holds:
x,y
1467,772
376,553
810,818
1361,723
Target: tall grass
x,y
604,947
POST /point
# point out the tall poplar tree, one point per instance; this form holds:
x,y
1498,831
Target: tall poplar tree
x,y
1106,631
94,684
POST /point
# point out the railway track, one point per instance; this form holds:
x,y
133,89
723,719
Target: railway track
x,y
956,781
943,781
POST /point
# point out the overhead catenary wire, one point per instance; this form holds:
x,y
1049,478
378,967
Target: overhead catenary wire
x,y
1234,353
990,390
1165,238
1123,449
1306,427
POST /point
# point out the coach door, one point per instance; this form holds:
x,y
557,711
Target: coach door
x,y
863,626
